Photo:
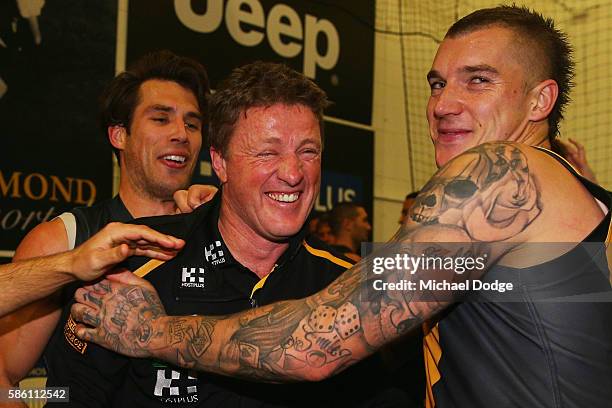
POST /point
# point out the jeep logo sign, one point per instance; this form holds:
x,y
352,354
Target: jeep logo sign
x,y
243,16
330,41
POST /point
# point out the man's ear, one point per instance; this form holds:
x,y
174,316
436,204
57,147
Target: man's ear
x,y
218,164
544,98
117,136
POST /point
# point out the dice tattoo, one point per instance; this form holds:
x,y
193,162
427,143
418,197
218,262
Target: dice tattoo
x,y
347,320
322,319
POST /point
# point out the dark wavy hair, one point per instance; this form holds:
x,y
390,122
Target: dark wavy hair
x,y
120,97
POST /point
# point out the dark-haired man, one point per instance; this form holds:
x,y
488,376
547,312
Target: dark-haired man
x,y
152,115
324,231
350,225
499,83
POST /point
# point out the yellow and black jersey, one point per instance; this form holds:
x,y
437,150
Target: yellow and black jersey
x,y
549,346
205,279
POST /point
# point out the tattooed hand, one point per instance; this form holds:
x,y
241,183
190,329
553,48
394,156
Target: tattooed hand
x,y
122,312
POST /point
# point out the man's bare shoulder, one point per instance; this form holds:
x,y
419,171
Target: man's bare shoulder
x,y
570,211
488,193
504,192
44,239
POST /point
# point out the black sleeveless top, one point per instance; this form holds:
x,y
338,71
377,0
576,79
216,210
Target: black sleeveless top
x,y
66,365
547,344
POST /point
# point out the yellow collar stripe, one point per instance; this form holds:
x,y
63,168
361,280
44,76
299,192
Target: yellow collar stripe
x,y
316,252
148,267
260,284
327,255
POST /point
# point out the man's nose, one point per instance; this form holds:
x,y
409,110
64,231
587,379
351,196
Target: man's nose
x,y
447,102
179,134
291,169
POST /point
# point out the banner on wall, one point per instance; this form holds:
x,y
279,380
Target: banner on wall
x,y
330,41
53,155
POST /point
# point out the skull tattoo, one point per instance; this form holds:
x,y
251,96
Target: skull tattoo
x,y
493,198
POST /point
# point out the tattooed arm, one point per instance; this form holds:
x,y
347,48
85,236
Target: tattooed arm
x,y
485,195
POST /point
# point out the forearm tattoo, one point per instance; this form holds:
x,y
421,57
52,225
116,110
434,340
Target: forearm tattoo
x,y
486,195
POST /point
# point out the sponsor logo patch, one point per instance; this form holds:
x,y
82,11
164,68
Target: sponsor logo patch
x,y
70,335
192,278
214,253
176,387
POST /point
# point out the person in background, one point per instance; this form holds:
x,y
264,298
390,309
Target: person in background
x,y
575,153
408,202
350,226
324,231
313,221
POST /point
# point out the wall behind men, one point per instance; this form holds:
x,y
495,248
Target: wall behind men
x,y
52,156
